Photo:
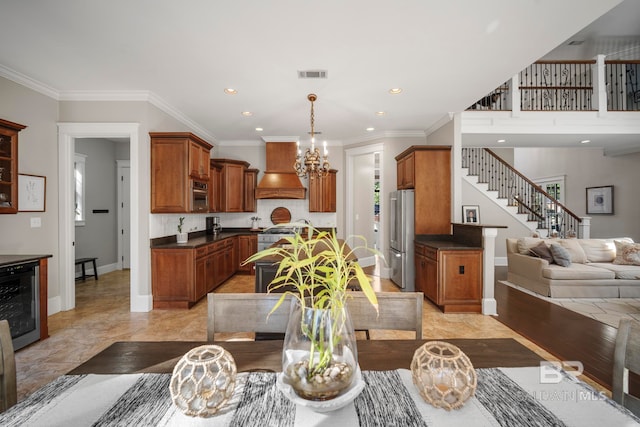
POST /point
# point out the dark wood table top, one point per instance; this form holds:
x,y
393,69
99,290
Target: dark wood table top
x,y
160,356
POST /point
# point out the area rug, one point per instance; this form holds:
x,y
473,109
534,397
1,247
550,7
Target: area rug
x,y
605,310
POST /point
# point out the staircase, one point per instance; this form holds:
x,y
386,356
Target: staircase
x,y
518,195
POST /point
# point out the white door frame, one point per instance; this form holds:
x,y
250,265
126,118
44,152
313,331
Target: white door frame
x,y
122,164
351,153
67,133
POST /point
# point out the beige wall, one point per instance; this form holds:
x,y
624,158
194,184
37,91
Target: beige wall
x,y
586,167
37,155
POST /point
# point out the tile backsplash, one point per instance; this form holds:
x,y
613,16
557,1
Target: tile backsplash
x,y
167,224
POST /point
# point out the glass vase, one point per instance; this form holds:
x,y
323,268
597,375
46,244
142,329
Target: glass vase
x,y
320,356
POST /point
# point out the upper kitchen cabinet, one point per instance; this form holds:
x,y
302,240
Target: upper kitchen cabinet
x,y
215,187
427,169
9,166
406,176
250,182
178,179
322,192
232,185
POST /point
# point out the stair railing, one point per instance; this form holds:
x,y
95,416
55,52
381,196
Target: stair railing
x,y
552,217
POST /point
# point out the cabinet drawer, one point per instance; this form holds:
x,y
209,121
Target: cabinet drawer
x,y
202,251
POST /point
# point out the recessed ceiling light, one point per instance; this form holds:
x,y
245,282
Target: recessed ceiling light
x,y
247,113
259,129
395,90
370,129
380,113
585,141
230,91
501,140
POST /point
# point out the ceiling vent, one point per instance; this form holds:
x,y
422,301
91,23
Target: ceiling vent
x,y
312,74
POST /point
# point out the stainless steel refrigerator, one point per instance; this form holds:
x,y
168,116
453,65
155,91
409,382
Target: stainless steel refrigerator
x,y
401,239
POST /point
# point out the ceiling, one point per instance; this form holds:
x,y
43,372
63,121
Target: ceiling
x,y
182,55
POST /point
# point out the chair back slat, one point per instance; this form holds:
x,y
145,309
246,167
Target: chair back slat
x,y
8,385
626,359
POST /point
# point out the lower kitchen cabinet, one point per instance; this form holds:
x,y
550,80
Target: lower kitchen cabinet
x,y
451,278
247,246
181,277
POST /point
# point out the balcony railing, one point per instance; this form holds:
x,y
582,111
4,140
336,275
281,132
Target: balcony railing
x,y
567,86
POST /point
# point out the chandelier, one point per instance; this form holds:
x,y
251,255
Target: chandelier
x,y
310,163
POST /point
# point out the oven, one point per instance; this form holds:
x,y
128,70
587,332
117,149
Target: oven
x,y
20,302
271,235
199,196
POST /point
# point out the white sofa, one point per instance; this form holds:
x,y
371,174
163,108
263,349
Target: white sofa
x,y
592,273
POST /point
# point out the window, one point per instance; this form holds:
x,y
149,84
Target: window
x,y
79,177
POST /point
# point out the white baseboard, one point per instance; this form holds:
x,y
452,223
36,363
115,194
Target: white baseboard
x,y
141,303
489,306
54,305
500,261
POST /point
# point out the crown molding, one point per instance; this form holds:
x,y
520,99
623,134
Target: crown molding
x,y
280,138
28,82
387,134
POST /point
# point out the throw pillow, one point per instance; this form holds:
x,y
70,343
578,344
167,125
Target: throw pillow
x,y
542,251
575,250
627,253
561,256
526,243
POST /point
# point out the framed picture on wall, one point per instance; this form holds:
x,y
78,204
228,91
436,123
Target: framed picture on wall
x,y
600,200
470,214
31,193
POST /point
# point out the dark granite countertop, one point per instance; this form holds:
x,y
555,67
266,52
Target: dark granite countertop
x,y
6,260
199,238
445,244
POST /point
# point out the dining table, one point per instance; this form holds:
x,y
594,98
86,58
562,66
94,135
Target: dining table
x,y
128,384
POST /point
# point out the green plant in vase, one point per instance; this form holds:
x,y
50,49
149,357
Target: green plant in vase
x,y
320,355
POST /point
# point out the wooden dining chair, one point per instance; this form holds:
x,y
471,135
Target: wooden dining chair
x,y
626,358
8,388
246,312
397,311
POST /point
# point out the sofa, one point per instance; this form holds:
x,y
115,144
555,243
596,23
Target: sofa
x,y
584,268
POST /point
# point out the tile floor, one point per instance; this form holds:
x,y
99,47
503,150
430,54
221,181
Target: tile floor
x,y
102,317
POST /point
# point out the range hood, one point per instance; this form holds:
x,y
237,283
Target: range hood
x,y
280,180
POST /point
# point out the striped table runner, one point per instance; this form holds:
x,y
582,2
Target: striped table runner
x,y
505,397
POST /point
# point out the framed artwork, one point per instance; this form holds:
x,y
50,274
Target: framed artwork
x,y
31,193
600,200
470,214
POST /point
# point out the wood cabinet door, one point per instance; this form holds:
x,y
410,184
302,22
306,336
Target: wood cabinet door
x,y
9,164
172,276
433,191
198,161
329,192
201,278
233,188
215,189
250,182
315,194
247,246
169,176
461,277
431,279
420,272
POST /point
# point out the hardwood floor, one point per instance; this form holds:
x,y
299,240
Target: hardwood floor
x,y
102,317
564,333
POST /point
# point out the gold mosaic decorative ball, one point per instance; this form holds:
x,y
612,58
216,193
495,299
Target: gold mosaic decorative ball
x,y
443,375
203,380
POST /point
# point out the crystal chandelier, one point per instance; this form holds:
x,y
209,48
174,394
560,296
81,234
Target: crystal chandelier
x,y
310,163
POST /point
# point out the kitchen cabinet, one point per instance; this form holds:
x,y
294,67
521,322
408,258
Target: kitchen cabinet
x,y
322,192
232,185
9,166
406,175
215,187
250,182
180,277
247,246
450,277
174,161
199,161
427,169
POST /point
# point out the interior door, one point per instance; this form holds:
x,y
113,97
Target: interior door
x,y
124,214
